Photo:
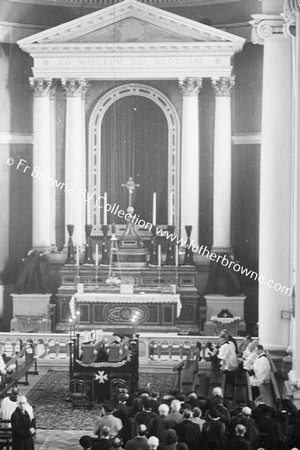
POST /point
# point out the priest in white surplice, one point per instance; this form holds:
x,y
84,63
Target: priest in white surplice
x,y
261,368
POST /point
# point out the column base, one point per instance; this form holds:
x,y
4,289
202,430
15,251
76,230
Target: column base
x,y
227,250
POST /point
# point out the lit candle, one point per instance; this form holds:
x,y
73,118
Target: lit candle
x,y
176,255
171,210
77,255
88,208
159,255
96,258
154,209
105,211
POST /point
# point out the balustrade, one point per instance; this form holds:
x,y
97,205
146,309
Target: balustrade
x,y
154,348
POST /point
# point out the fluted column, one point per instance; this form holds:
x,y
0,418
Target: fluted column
x,y
222,165
190,168
42,223
75,159
275,182
292,14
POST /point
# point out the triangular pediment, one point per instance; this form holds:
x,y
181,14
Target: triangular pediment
x,y
130,21
132,30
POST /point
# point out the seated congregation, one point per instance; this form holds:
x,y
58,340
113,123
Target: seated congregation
x,y
183,422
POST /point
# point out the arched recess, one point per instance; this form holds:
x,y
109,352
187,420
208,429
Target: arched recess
x,y
94,147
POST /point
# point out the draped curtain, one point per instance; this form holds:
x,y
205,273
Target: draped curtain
x,y
134,143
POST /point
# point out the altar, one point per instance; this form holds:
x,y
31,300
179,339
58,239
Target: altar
x,y
134,312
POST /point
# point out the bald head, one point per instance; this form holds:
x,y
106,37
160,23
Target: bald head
x,y
22,402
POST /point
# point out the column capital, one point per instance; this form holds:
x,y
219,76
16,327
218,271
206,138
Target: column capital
x,y
190,87
291,10
75,87
223,86
42,87
264,26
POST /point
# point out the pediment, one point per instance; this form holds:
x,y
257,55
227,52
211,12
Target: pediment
x,y
131,30
130,21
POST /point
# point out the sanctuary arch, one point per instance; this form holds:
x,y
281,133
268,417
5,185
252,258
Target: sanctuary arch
x,y
94,148
127,42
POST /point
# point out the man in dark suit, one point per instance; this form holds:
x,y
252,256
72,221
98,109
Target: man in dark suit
x,y
189,432
239,442
140,442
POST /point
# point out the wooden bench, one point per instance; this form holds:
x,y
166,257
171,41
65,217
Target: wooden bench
x,y
5,434
22,363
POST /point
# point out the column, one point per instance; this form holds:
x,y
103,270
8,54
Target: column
x,y
41,186
190,160
275,182
75,158
292,12
222,165
53,163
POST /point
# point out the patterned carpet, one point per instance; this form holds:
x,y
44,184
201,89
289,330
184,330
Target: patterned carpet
x,y
52,412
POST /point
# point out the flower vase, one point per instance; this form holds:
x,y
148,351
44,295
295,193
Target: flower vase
x,y
88,258
188,256
70,256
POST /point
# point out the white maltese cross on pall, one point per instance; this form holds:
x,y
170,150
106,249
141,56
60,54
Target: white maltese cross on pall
x,y
101,377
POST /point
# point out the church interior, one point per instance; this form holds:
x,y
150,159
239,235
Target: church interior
x,y
149,170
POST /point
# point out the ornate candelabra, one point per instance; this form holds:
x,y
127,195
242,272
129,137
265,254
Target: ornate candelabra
x,y
88,258
188,257
71,256
170,257
104,252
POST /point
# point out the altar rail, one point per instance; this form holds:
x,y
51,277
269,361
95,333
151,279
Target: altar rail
x,y
154,348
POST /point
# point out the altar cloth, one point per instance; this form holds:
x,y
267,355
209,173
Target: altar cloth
x,y
124,298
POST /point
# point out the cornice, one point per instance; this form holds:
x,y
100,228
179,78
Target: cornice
x,y
118,49
105,3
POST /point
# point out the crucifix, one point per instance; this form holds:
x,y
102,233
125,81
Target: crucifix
x,y
130,185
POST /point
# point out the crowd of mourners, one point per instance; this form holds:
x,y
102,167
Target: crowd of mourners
x,y
183,422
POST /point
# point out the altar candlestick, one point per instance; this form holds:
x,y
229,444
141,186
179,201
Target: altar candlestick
x,y
105,211
154,209
96,258
77,255
159,255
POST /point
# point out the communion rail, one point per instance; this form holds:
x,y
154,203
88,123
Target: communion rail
x,y
154,348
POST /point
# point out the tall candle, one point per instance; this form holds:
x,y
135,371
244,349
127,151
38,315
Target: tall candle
x,y
96,258
171,210
77,255
176,255
154,209
105,211
159,255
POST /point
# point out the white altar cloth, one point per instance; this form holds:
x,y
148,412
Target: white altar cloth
x,y
124,298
